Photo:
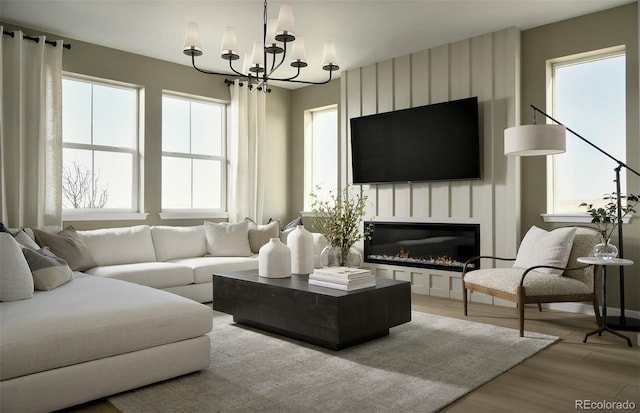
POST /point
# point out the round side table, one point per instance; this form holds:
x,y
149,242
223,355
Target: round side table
x,y
605,263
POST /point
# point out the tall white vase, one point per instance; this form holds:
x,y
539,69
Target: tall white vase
x,y
300,242
274,260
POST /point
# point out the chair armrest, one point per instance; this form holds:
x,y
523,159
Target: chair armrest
x,y
528,270
474,259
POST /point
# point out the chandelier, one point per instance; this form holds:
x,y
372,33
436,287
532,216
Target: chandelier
x,y
267,56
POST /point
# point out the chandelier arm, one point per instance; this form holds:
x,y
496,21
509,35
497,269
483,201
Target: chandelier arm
x,y
306,82
235,71
210,72
276,67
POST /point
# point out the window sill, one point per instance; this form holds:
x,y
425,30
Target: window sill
x,y
194,215
574,218
104,216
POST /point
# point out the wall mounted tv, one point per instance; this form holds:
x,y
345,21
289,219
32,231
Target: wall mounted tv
x,y
438,142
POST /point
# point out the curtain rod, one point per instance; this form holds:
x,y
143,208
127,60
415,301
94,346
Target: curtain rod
x,y
37,39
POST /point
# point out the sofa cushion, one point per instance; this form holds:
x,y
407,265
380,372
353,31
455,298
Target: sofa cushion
x,y
151,274
115,246
178,242
16,282
228,240
535,283
48,271
68,245
204,267
93,318
261,234
540,247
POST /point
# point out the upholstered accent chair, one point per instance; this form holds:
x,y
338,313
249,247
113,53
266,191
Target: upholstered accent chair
x,y
545,271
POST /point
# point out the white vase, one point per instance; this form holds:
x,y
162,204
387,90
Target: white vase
x,y
274,260
300,241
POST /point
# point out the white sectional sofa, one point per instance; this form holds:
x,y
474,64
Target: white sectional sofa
x,y
132,316
93,337
174,259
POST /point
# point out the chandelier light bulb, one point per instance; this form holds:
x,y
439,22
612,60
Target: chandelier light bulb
x,y
257,58
229,44
270,41
285,31
299,53
192,44
329,56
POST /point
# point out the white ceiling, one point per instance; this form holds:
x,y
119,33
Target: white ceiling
x,y
364,31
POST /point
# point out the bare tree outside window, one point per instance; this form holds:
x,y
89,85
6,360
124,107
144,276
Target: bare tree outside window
x,y
81,189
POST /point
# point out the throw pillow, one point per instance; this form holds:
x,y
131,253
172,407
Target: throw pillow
x,y
178,242
48,271
227,240
294,224
67,245
261,234
16,282
540,247
25,240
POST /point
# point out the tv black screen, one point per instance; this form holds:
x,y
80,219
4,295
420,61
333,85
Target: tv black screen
x,y
438,142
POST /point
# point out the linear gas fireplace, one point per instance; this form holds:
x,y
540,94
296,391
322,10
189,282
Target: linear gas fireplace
x,y
425,245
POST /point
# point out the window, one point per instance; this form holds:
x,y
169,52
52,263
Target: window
x,y
588,95
321,152
193,154
100,146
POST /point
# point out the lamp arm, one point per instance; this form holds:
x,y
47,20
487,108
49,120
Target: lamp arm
x,y
619,162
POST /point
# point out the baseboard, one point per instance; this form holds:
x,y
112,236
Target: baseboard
x,y
581,308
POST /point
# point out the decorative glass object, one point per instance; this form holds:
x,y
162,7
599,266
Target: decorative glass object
x,y
605,250
337,257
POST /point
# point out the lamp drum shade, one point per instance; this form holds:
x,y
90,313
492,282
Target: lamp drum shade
x,y
535,140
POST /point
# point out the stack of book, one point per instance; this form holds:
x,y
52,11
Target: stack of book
x,y
342,278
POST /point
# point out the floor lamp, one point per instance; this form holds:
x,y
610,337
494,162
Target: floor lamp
x,y
549,139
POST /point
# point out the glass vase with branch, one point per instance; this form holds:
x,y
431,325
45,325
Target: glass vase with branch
x,y
607,218
339,218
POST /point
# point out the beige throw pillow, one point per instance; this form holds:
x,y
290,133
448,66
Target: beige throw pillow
x,y
261,234
48,271
67,245
540,247
227,240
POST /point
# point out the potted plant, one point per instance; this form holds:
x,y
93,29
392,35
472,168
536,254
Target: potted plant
x,y
338,219
606,220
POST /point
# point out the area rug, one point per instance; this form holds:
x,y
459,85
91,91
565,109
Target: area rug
x,y
422,366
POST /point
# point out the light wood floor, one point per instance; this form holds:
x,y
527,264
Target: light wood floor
x,y
603,369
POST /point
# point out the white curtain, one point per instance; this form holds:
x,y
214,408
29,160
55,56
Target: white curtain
x,y
30,132
246,153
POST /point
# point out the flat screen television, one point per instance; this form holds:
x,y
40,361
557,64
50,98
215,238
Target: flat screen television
x,y
438,142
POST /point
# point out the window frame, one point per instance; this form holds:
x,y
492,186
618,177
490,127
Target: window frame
x,y
309,144
102,214
551,100
196,213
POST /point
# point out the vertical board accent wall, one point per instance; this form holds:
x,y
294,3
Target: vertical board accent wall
x,y
486,66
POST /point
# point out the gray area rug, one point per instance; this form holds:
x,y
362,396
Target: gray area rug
x,y
422,366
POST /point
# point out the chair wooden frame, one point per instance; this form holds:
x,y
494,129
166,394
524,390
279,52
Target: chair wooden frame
x,y
521,298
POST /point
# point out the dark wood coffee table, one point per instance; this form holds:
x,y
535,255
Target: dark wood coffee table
x,y
326,317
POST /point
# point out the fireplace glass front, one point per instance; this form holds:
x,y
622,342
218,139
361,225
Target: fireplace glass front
x,y
424,245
